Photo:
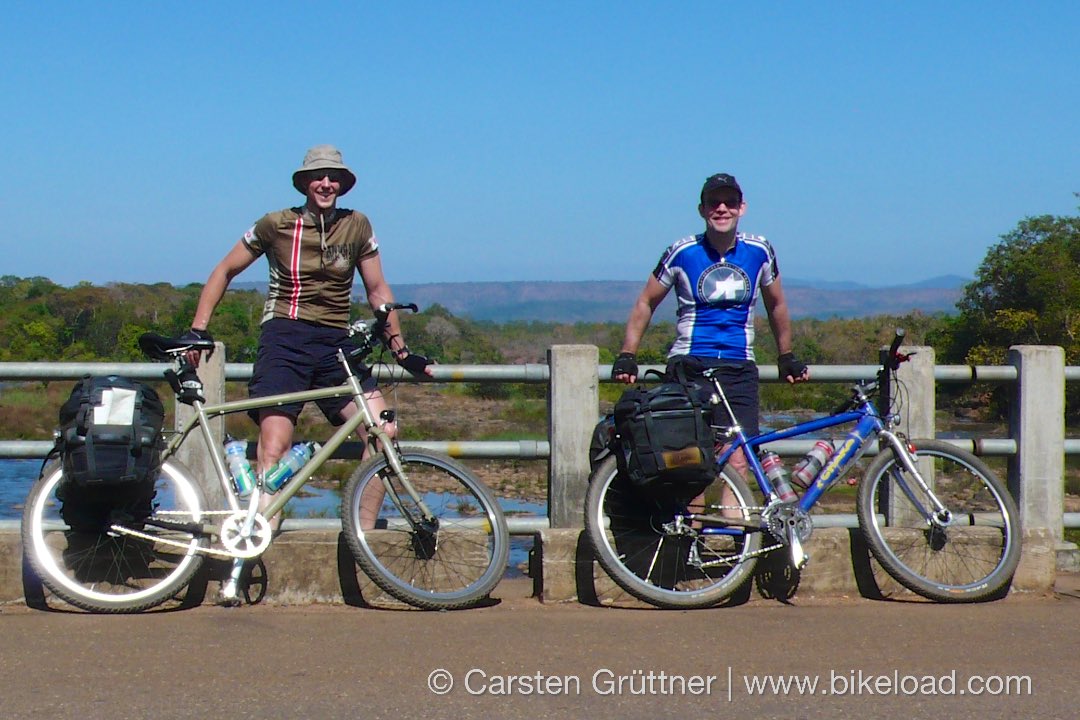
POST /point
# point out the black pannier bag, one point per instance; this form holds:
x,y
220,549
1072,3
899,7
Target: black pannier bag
x,y
603,441
666,440
110,451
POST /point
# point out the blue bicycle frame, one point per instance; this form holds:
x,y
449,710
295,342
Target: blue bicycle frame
x,y
868,424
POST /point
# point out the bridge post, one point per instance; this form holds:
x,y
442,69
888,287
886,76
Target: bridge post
x,y
917,408
193,452
1037,423
917,377
573,409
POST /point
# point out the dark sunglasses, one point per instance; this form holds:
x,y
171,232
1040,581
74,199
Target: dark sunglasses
x,y
714,201
335,176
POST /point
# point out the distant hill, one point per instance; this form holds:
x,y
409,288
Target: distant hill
x,y
610,300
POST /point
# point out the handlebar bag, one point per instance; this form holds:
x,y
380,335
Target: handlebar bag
x,y
110,449
666,441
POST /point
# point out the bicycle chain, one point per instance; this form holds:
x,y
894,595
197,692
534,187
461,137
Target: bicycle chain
x,y
120,529
755,553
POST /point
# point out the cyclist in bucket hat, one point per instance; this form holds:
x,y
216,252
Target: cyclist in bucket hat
x,y
313,252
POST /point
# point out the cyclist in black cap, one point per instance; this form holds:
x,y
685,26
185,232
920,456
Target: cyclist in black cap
x,y
717,276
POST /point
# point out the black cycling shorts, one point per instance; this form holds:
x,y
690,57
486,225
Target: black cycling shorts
x,y
739,379
295,355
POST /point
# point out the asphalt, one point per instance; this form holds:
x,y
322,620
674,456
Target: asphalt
x,y
518,658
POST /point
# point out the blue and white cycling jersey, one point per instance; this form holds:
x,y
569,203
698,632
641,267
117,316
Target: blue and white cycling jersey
x,y
717,294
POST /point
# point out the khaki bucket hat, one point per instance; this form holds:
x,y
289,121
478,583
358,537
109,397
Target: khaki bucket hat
x,y
324,157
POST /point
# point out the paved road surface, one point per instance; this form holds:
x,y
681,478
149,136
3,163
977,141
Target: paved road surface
x,y
566,661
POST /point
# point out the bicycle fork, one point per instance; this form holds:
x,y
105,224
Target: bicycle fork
x,y
939,514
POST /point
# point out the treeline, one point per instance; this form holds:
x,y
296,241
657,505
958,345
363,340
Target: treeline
x,y
43,321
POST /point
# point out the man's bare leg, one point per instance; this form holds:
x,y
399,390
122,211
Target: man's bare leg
x,y
275,439
373,495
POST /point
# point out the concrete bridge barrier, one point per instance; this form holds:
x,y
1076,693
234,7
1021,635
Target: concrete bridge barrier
x,y
313,566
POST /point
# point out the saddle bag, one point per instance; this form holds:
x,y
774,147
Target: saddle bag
x,y
109,443
603,441
666,440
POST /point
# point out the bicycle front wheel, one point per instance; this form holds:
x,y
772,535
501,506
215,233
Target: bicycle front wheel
x,y
965,555
449,560
636,542
110,554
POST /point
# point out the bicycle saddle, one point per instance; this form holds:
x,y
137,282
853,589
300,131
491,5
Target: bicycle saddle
x,y
160,347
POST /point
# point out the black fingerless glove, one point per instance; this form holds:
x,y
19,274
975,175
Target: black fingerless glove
x,y
625,364
788,365
414,364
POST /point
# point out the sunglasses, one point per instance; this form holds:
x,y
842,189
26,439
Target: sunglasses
x,y
335,176
732,202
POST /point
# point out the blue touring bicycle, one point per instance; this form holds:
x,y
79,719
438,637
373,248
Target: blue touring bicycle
x,y
935,517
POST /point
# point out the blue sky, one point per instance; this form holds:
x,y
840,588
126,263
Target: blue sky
x,y
876,142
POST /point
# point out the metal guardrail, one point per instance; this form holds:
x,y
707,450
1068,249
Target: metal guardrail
x,y
532,373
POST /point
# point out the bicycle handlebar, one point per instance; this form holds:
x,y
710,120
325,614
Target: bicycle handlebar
x,y
372,332
894,358
383,311
891,360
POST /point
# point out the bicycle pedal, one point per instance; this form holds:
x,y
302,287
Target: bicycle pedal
x,y
229,595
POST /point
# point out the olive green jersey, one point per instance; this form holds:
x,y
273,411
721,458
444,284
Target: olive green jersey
x,y
312,263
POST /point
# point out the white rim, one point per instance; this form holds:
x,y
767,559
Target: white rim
x,y
45,557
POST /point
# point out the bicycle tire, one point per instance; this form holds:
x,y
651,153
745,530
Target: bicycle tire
x,y
452,566
970,560
627,537
105,571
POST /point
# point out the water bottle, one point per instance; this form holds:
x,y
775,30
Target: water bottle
x,y
285,468
778,475
239,467
807,469
849,450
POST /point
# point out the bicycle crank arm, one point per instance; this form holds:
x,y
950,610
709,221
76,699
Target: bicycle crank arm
x,y
799,558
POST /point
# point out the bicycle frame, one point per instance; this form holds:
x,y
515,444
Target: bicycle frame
x,y
868,425
377,437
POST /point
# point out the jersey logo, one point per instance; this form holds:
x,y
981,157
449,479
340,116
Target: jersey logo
x,y
724,284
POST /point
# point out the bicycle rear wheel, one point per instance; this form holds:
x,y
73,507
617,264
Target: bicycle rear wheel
x,y
967,557
634,542
91,560
451,563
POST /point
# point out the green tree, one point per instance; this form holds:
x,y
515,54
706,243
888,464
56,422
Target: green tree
x,y
1026,291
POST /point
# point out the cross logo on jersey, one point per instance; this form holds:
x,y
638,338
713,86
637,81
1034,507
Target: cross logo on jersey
x,y
724,284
